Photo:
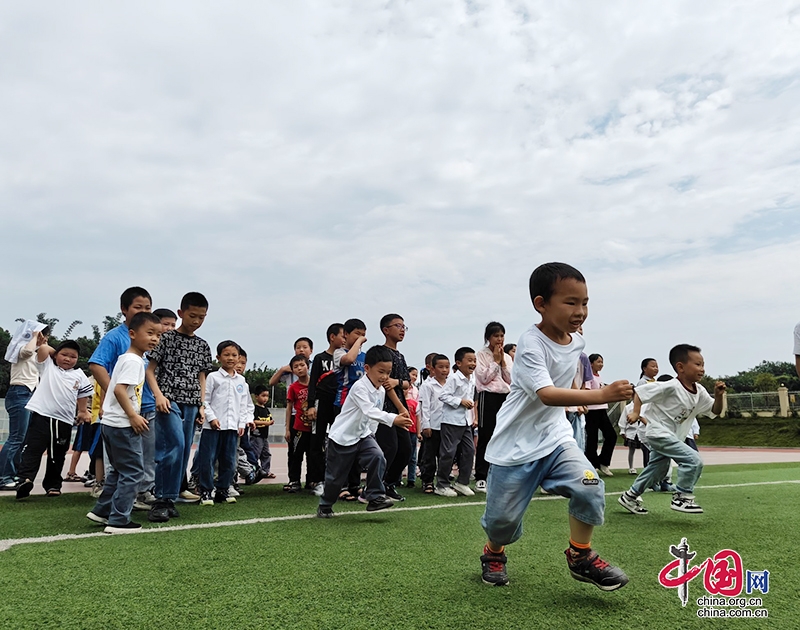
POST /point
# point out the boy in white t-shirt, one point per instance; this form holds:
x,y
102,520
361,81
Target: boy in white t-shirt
x,y
61,389
672,407
533,443
122,427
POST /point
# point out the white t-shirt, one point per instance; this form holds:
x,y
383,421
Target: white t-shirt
x,y
129,371
527,429
797,339
672,407
58,392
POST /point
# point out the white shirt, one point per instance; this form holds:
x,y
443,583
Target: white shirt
x,y
361,413
24,371
457,388
429,410
227,397
695,430
527,429
128,371
672,407
58,392
797,339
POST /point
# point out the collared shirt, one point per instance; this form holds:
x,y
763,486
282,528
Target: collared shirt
x,y
490,376
361,413
429,411
58,392
457,388
226,401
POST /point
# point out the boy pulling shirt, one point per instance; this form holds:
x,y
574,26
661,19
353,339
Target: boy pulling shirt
x,y
58,392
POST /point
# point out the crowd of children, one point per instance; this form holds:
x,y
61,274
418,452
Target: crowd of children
x,y
498,412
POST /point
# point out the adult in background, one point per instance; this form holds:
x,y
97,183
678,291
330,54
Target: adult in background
x,y
492,384
597,420
21,353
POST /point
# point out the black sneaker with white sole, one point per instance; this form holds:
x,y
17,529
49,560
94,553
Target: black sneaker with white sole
x,y
379,504
96,518
159,511
393,494
591,568
24,489
632,503
685,503
325,511
130,526
493,568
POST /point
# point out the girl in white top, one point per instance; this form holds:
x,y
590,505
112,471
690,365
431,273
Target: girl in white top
x,y
597,420
634,433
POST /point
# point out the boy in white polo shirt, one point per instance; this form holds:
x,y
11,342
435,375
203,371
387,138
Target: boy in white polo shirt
x,y
122,427
351,438
672,406
533,444
429,416
457,421
61,389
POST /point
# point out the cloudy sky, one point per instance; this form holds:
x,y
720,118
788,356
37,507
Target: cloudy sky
x,y
307,162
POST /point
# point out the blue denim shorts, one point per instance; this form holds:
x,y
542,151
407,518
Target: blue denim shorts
x,y
565,472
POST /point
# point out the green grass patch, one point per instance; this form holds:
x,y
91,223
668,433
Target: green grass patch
x,y
761,432
393,569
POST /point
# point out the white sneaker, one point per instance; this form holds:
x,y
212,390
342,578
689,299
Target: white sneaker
x,y
233,492
480,486
632,471
97,490
463,490
605,470
632,504
685,503
188,497
445,492
318,490
140,505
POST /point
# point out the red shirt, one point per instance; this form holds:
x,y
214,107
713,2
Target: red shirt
x,y
297,396
412,413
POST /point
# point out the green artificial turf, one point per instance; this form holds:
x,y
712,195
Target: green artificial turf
x,y
392,569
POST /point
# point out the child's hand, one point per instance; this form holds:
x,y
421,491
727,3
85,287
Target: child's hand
x,y
139,424
201,415
469,404
426,433
583,409
498,355
84,417
361,340
719,388
251,426
287,436
618,391
269,422
402,419
633,417
241,431
311,414
214,424
162,404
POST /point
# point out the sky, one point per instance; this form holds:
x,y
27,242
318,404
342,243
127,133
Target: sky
x,y
303,163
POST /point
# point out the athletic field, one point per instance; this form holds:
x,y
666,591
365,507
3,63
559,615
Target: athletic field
x,y
266,562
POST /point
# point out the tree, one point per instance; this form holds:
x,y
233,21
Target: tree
x,y
765,382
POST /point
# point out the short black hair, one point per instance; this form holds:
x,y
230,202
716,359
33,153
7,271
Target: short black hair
x,y
429,358
165,312
680,354
306,339
462,352
227,344
259,389
378,354
594,357
439,357
130,294
493,328
68,344
333,331
387,318
296,359
354,324
664,377
509,347
140,319
193,298
544,278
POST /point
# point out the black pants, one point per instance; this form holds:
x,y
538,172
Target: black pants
x,y
597,419
396,449
489,404
301,441
316,453
429,456
45,434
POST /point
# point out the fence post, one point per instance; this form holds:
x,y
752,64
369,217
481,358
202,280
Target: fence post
x,y
783,401
724,412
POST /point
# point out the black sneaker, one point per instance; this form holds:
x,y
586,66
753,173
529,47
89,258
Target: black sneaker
x,y
24,489
591,568
411,484
96,518
379,504
222,496
393,494
294,487
493,568
251,478
172,510
206,498
325,511
159,512
122,529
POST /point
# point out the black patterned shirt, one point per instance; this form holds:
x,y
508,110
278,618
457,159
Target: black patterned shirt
x,y
400,372
179,360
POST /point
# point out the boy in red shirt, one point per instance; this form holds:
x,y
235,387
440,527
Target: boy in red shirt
x,y
297,399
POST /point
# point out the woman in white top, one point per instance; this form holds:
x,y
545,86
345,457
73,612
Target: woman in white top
x,y
492,384
597,420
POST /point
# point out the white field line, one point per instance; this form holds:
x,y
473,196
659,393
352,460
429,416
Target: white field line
x,y
10,542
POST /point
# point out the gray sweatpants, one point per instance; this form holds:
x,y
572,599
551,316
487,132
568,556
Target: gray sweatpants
x,y
149,455
452,437
339,461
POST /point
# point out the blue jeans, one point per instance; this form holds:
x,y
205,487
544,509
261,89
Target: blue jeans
x,y
662,449
174,434
18,418
148,453
124,450
577,429
222,445
412,463
565,471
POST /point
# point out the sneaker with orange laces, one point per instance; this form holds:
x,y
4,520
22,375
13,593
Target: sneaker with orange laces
x,y
493,567
589,567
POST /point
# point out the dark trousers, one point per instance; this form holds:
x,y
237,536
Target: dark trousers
x,y
316,453
597,419
45,434
454,437
429,456
301,441
691,444
217,445
489,404
396,449
645,455
341,460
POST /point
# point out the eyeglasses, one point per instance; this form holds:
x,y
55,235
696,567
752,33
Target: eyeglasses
x,y
402,327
